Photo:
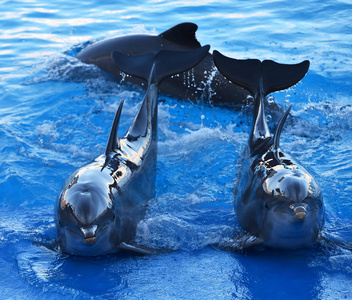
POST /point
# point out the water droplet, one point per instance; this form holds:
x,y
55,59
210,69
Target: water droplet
x,y
287,98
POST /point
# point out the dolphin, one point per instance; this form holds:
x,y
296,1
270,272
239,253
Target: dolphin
x,y
101,203
202,82
277,201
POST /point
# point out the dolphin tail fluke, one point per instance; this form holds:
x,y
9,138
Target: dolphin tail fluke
x,y
256,76
242,72
155,66
113,141
278,77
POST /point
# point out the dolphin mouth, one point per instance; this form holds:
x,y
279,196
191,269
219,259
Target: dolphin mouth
x,y
89,234
90,240
299,213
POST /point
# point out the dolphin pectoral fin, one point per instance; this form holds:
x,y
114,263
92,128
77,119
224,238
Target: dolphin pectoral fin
x,y
244,242
251,241
135,249
48,244
240,242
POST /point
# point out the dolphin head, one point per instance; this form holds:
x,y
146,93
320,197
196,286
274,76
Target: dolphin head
x,y
86,219
292,210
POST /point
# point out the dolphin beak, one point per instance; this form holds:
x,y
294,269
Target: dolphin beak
x,y
299,211
89,233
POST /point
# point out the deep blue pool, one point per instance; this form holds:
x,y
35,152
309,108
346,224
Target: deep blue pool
x,y
56,113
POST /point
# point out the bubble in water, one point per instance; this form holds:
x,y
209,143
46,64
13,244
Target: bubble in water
x,y
268,118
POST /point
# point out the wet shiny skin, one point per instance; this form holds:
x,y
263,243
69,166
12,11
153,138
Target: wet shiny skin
x,y
109,198
281,202
105,200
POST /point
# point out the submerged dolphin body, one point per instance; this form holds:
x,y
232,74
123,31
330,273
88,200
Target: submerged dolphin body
x,y
202,82
100,204
277,201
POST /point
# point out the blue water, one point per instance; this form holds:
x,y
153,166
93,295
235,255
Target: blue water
x,y
56,113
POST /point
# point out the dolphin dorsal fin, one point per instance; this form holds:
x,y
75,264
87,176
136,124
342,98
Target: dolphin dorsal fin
x,y
113,141
140,124
252,74
276,138
163,63
182,34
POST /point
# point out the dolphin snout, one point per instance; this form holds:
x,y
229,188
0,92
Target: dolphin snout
x,y
299,210
89,233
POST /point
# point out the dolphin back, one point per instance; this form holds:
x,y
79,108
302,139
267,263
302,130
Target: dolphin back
x,y
256,76
156,66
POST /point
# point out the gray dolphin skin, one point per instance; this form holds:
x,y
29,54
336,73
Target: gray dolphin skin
x,y
203,82
101,204
277,201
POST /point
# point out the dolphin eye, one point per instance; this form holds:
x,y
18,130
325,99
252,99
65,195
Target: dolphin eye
x,y
268,205
106,225
104,218
313,203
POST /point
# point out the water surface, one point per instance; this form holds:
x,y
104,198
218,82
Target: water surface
x,y
56,113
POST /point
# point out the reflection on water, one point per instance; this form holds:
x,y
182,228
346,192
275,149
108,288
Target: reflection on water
x,y
174,275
